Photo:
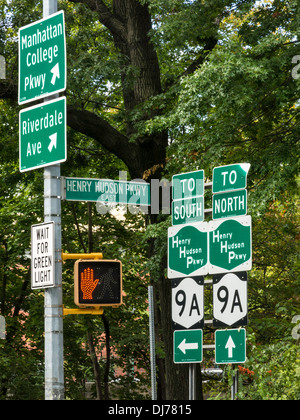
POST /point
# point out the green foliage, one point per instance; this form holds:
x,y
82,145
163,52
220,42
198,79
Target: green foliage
x,y
229,96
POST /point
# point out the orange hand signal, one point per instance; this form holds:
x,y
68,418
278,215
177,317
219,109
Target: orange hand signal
x,y
88,284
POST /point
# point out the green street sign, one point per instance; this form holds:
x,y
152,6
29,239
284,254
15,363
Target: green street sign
x,y
107,191
190,210
230,177
188,346
230,245
188,250
230,346
187,185
42,58
230,204
43,135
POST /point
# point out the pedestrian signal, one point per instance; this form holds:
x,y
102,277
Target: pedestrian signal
x,y
98,283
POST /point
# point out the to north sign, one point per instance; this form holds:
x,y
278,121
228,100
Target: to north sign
x,y
42,58
230,204
43,135
230,177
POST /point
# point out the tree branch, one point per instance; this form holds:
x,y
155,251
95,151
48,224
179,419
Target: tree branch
x,y
106,17
100,130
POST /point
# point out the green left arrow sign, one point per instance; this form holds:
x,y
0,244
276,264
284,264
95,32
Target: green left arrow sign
x,y
43,137
42,58
188,346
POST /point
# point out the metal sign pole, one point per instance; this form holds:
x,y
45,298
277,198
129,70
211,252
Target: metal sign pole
x,y
53,309
152,343
192,382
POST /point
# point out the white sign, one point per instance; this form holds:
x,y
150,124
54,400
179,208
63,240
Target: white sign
x,y
42,256
230,302
188,303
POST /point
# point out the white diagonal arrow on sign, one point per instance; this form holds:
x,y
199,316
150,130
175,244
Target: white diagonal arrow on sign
x,y
53,142
230,346
183,346
55,72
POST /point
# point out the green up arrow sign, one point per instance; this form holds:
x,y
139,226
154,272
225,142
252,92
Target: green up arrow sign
x,y
43,139
230,346
42,58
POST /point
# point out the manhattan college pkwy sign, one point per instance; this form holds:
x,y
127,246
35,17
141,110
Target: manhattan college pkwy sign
x,y
42,58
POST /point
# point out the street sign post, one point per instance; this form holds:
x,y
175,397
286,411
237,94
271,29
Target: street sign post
x,y
230,302
42,58
230,245
188,250
43,135
42,256
188,303
106,190
2,328
230,177
230,346
188,347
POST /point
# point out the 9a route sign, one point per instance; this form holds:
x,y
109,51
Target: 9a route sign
x,y
43,135
188,303
230,301
42,58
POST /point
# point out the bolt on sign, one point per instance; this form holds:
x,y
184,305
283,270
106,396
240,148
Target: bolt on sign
x,y
42,256
43,135
187,250
42,58
230,245
188,303
98,283
229,193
